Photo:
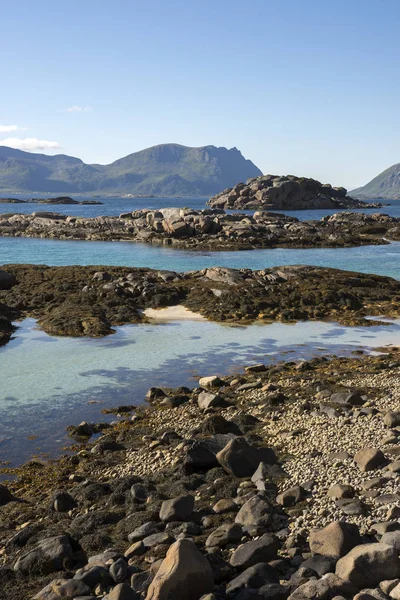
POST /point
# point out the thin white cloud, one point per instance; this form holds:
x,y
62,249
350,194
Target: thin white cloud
x,y
10,128
79,109
30,144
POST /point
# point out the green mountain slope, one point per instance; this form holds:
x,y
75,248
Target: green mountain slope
x,y
167,169
385,185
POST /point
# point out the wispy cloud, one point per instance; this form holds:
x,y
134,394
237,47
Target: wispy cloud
x,y
30,144
10,128
79,109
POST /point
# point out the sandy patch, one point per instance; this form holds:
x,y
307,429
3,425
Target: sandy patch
x,y
173,313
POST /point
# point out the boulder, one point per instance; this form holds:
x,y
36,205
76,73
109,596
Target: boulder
x,y
184,574
347,399
6,280
340,490
177,509
262,550
119,570
392,418
369,459
122,591
291,496
5,495
211,381
369,564
392,538
46,556
329,586
253,577
63,502
209,400
241,459
336,539
63,588
256,511
225,534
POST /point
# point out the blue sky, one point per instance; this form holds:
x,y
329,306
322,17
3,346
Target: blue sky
x,y
308,87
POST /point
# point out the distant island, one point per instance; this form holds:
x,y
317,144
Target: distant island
x,y
164,170
57,200
286,192
384,186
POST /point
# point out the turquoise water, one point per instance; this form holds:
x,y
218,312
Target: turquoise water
x,y
50,383
382,260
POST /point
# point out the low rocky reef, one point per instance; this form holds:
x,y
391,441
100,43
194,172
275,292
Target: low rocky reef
x,y
279,483
57,200
209,229
90,300
288,192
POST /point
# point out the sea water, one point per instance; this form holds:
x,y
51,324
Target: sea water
x,y
50,382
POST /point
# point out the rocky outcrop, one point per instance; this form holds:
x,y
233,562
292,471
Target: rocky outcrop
x,y
86,301
209,229
280,192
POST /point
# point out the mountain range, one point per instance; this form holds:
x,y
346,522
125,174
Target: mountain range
x,y
384,185
164,170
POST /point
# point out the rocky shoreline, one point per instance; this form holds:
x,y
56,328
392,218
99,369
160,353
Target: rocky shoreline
x,y
280,192
281,482
209,229
90,300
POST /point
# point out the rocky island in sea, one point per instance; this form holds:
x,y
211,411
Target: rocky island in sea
x,y
286,192
208,229
55,200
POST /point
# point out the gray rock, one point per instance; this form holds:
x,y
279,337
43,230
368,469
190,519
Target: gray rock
x,y
392,538
211,381
369,459
251,553
209,400
93,575
392,418
46,556
351,506
325,588
347,399
253,577
138,493
336,539
157,538
119,570
225,534
5,495
241,459
143,531
63,502
177,509
256,511
6,280
340,490
320,564
122,591
63,588
369,564
291,496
